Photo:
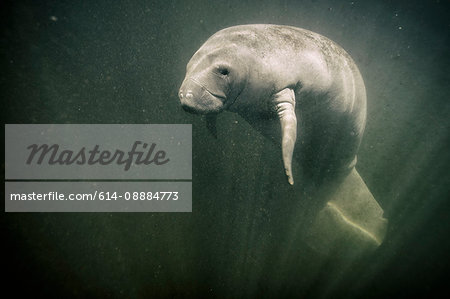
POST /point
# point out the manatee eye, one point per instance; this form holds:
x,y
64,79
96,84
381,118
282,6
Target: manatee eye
x,y
223,71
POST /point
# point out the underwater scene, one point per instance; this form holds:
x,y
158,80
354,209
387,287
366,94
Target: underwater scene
x,y
320,146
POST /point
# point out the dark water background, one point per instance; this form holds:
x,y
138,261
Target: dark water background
x,y
111,62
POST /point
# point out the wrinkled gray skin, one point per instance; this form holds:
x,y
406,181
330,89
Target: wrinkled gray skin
x,y
295,86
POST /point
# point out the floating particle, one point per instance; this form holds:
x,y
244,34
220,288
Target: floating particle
x,y
53,18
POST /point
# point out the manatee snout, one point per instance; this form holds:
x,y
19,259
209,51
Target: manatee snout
x,y
195,98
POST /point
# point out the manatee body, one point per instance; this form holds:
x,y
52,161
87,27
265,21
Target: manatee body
x,y
296,87
283,76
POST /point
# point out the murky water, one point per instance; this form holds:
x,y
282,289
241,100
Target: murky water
x,y
105,62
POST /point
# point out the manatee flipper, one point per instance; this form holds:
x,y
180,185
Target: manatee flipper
x,y
285,105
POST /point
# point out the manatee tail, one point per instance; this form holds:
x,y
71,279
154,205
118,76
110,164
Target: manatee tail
x,y
350,223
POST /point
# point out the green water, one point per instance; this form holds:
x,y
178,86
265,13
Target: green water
x,y
105,62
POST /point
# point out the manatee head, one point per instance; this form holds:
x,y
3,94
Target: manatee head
x,y
215,76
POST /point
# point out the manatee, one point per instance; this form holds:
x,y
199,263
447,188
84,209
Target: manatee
x,y
301,90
